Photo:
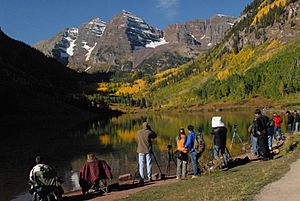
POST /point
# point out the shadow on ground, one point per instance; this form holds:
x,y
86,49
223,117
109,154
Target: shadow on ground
x,y
116,187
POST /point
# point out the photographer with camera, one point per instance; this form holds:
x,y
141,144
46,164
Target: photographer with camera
x,y
182,155
144,149
262,125
219,132
44,181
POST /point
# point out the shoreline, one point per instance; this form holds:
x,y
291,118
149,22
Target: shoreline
x,y
117,194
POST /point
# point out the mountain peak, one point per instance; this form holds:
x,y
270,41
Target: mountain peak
x,y
222,15
126,40
132,17
96,20
126,12
96,26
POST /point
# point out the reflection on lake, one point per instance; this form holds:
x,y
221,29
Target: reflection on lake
x,y
112,140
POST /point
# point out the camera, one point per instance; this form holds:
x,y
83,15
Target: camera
x,y
169,146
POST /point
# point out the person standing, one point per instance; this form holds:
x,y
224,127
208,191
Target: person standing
x,y
254,143
277,126
144,149
262,122
297,120
290,121
182,155
219,133
193,154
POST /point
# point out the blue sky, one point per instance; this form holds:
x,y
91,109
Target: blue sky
x,y
33,20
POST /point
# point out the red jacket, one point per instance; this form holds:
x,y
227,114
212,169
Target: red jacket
x,y
277,120
95,170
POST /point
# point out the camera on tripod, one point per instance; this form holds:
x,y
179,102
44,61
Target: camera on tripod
x,y
235,126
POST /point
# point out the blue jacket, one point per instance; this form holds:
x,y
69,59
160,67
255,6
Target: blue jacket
x,y
190,141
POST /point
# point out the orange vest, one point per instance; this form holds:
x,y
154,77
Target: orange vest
x,y
180,143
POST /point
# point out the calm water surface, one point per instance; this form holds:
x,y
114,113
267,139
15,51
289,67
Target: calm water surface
x,y
112,140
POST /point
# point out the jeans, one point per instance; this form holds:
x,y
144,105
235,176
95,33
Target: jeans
x,y
297,127
254,143
277,129
181,168
194,159
270,141
217,149
142,157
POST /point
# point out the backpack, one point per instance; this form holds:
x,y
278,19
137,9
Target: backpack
x,y
199,143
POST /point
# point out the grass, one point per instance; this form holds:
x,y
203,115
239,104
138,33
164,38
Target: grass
x,y
239,183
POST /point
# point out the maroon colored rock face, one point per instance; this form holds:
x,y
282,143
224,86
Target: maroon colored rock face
x,y
127,43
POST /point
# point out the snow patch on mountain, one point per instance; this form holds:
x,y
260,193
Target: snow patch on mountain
x,y
71,38
89,49
222,15
193,36
155,44
88,68
70,49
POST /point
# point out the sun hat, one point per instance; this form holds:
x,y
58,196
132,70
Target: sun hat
x,y
217,122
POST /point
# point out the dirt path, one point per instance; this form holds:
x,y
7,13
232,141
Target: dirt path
x,y
287,188
126,191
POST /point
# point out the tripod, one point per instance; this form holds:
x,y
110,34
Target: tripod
x,y
236,134
170,159
136,173
210,166
162,176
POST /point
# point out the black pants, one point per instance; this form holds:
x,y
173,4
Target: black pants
x,y
263,147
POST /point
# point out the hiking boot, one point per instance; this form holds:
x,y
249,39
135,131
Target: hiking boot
x,y
177,177
195,176
141,182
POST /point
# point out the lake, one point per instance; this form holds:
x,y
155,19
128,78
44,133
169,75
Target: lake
x,y
112,139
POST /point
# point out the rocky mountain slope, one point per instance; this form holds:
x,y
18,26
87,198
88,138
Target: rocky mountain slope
x,y
127,43
258,58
